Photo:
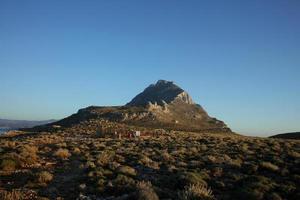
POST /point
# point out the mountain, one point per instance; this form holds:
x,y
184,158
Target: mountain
x,y
161,93
16,124
163,105
294,135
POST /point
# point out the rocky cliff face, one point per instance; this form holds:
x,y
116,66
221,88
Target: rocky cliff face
x,y
161,93
161,105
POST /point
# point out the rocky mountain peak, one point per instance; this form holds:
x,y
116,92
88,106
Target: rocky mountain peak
x,y
161,93
161,105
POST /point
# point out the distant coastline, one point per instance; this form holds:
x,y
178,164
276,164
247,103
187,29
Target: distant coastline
x,y
4,130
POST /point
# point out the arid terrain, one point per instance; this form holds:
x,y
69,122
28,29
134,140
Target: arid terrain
x,y
175,165
161,145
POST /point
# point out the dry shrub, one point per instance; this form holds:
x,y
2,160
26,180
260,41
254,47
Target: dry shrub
x,y
105,157
254,187
10,162
196,192
123,182
191,178
28,155
144,191
62,153
44,177
269,166
90,165
76,151
9,144
11,195
145,160
8,165
62,145
126,170
294,154
165,156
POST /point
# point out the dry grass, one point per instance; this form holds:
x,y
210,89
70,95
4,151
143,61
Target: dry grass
x,y
174,166
62,153
145,191
44,177
269,166
196,192
11,195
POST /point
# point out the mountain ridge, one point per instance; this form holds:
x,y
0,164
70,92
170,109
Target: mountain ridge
x,y
162,105
16,124
291,135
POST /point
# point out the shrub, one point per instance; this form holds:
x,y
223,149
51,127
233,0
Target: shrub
x,y
123,182
148,162
294,154
62,153
250,194
44,177
126,170
191,178
165,156
28,155
104,158
145,191
9,144
274,196
196,192
249,167
254,187
90,165
11,195
8,164
76,151
269,166
216,171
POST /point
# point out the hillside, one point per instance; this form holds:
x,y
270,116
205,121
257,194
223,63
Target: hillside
x,y
162,105
16,124
181,154
294,135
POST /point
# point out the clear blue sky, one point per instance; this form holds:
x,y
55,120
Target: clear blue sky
x,y
239,59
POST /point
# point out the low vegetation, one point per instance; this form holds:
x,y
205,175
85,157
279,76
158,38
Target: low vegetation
x,y
175,165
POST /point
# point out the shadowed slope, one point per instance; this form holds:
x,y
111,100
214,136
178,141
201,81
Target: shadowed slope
x,y
161,105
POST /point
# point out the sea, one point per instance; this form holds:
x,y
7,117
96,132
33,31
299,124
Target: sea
x,y
4,129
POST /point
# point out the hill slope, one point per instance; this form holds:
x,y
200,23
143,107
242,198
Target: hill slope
x,y
295,135
161,105
15,124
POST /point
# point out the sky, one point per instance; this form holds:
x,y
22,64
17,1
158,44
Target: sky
x,y
240,60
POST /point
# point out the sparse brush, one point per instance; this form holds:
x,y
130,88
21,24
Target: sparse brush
x,y
44,177
105,157
8,164
76,151
294,154
127,170
269,166
62,153
145,191
196,192
28,155
11,195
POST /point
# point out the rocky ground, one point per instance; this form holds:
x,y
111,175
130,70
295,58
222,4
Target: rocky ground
x,y
175,165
